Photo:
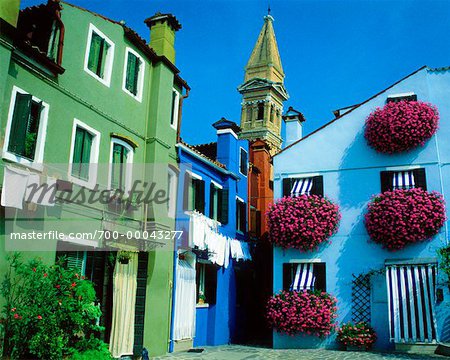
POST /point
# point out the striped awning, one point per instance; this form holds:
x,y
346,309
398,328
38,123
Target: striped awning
x,y
411,296
302,187
403,180
304,277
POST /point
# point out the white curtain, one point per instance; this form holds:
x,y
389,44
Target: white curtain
x,y
124,302
185,301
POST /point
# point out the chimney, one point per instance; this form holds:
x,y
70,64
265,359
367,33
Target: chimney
x,y
9,11
293,120
162,34
227,138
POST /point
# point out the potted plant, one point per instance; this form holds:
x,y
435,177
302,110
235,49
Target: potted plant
x,y
356,337
201,298
124,257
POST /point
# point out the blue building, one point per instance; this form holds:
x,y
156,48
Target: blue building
x,y
347,171
209,259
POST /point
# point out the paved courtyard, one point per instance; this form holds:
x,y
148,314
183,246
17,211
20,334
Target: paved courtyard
x,y
236,352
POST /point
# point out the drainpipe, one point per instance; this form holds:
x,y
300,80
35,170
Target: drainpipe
x,y
180,109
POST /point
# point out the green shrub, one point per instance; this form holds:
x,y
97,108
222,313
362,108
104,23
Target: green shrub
x,y
49,312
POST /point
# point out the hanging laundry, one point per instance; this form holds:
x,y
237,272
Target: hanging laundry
x,y
246,250
227,253
14,187
236,250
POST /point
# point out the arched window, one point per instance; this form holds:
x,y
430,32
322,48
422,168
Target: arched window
x,y
272,114
249,113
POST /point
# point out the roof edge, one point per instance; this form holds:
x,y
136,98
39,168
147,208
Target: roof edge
x,y
356,107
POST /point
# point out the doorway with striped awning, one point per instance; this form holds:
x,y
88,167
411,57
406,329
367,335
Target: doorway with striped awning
x,y
411,302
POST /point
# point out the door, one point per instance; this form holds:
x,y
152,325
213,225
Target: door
x,y
411,300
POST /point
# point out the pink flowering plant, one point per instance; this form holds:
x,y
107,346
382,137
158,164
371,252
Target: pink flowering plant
x,y
308,312
361,335
302,222
401,126
401,217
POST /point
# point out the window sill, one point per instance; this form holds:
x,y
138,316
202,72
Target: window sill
x,y
201,306
22,161
80,182
105,82
137,97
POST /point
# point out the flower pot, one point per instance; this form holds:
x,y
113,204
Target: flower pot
x,y
124,261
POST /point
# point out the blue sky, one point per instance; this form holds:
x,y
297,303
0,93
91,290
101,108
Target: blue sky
x,y
334,53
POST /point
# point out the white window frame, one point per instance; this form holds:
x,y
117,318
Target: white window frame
x,y
93,160
172,187
42,133
176,106
242,149
141,75
109,56
129,164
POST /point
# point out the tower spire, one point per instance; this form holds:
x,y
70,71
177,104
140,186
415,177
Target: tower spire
x,y
263,91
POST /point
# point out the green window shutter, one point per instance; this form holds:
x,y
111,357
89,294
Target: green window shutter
x,y
94,53
137,68
33,129
119,161
86,155
174,98
19,125
102,60
131,73
75,260
82,154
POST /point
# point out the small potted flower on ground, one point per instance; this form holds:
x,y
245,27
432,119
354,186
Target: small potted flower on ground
x,y
357,337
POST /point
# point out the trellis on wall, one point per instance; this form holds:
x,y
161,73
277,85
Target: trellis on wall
x,y
361,298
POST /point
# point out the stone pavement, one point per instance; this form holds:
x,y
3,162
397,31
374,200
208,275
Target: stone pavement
x,y
238,352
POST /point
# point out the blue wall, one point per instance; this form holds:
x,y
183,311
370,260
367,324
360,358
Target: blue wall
x,y
351,175
215,325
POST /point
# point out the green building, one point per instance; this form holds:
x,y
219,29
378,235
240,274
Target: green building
x,y
86,103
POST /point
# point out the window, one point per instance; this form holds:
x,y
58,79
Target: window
x,y
260,111
25,129
74,260
243,162
272,114
84,154
403,179
303,186
99,56
255,221
206,282
194,193
304,276
241,215
402,97
218,203
133,80
171,192
175,108
249,113
121,160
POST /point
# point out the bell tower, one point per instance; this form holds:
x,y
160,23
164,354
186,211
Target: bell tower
x,y
263,91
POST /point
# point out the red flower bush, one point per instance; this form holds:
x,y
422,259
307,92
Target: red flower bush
x,y
360,335
401,126
309,312
302,222
401,217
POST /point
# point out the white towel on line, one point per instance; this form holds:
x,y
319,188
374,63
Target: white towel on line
x,y
14,186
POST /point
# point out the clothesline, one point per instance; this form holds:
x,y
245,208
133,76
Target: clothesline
x,y
204,235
